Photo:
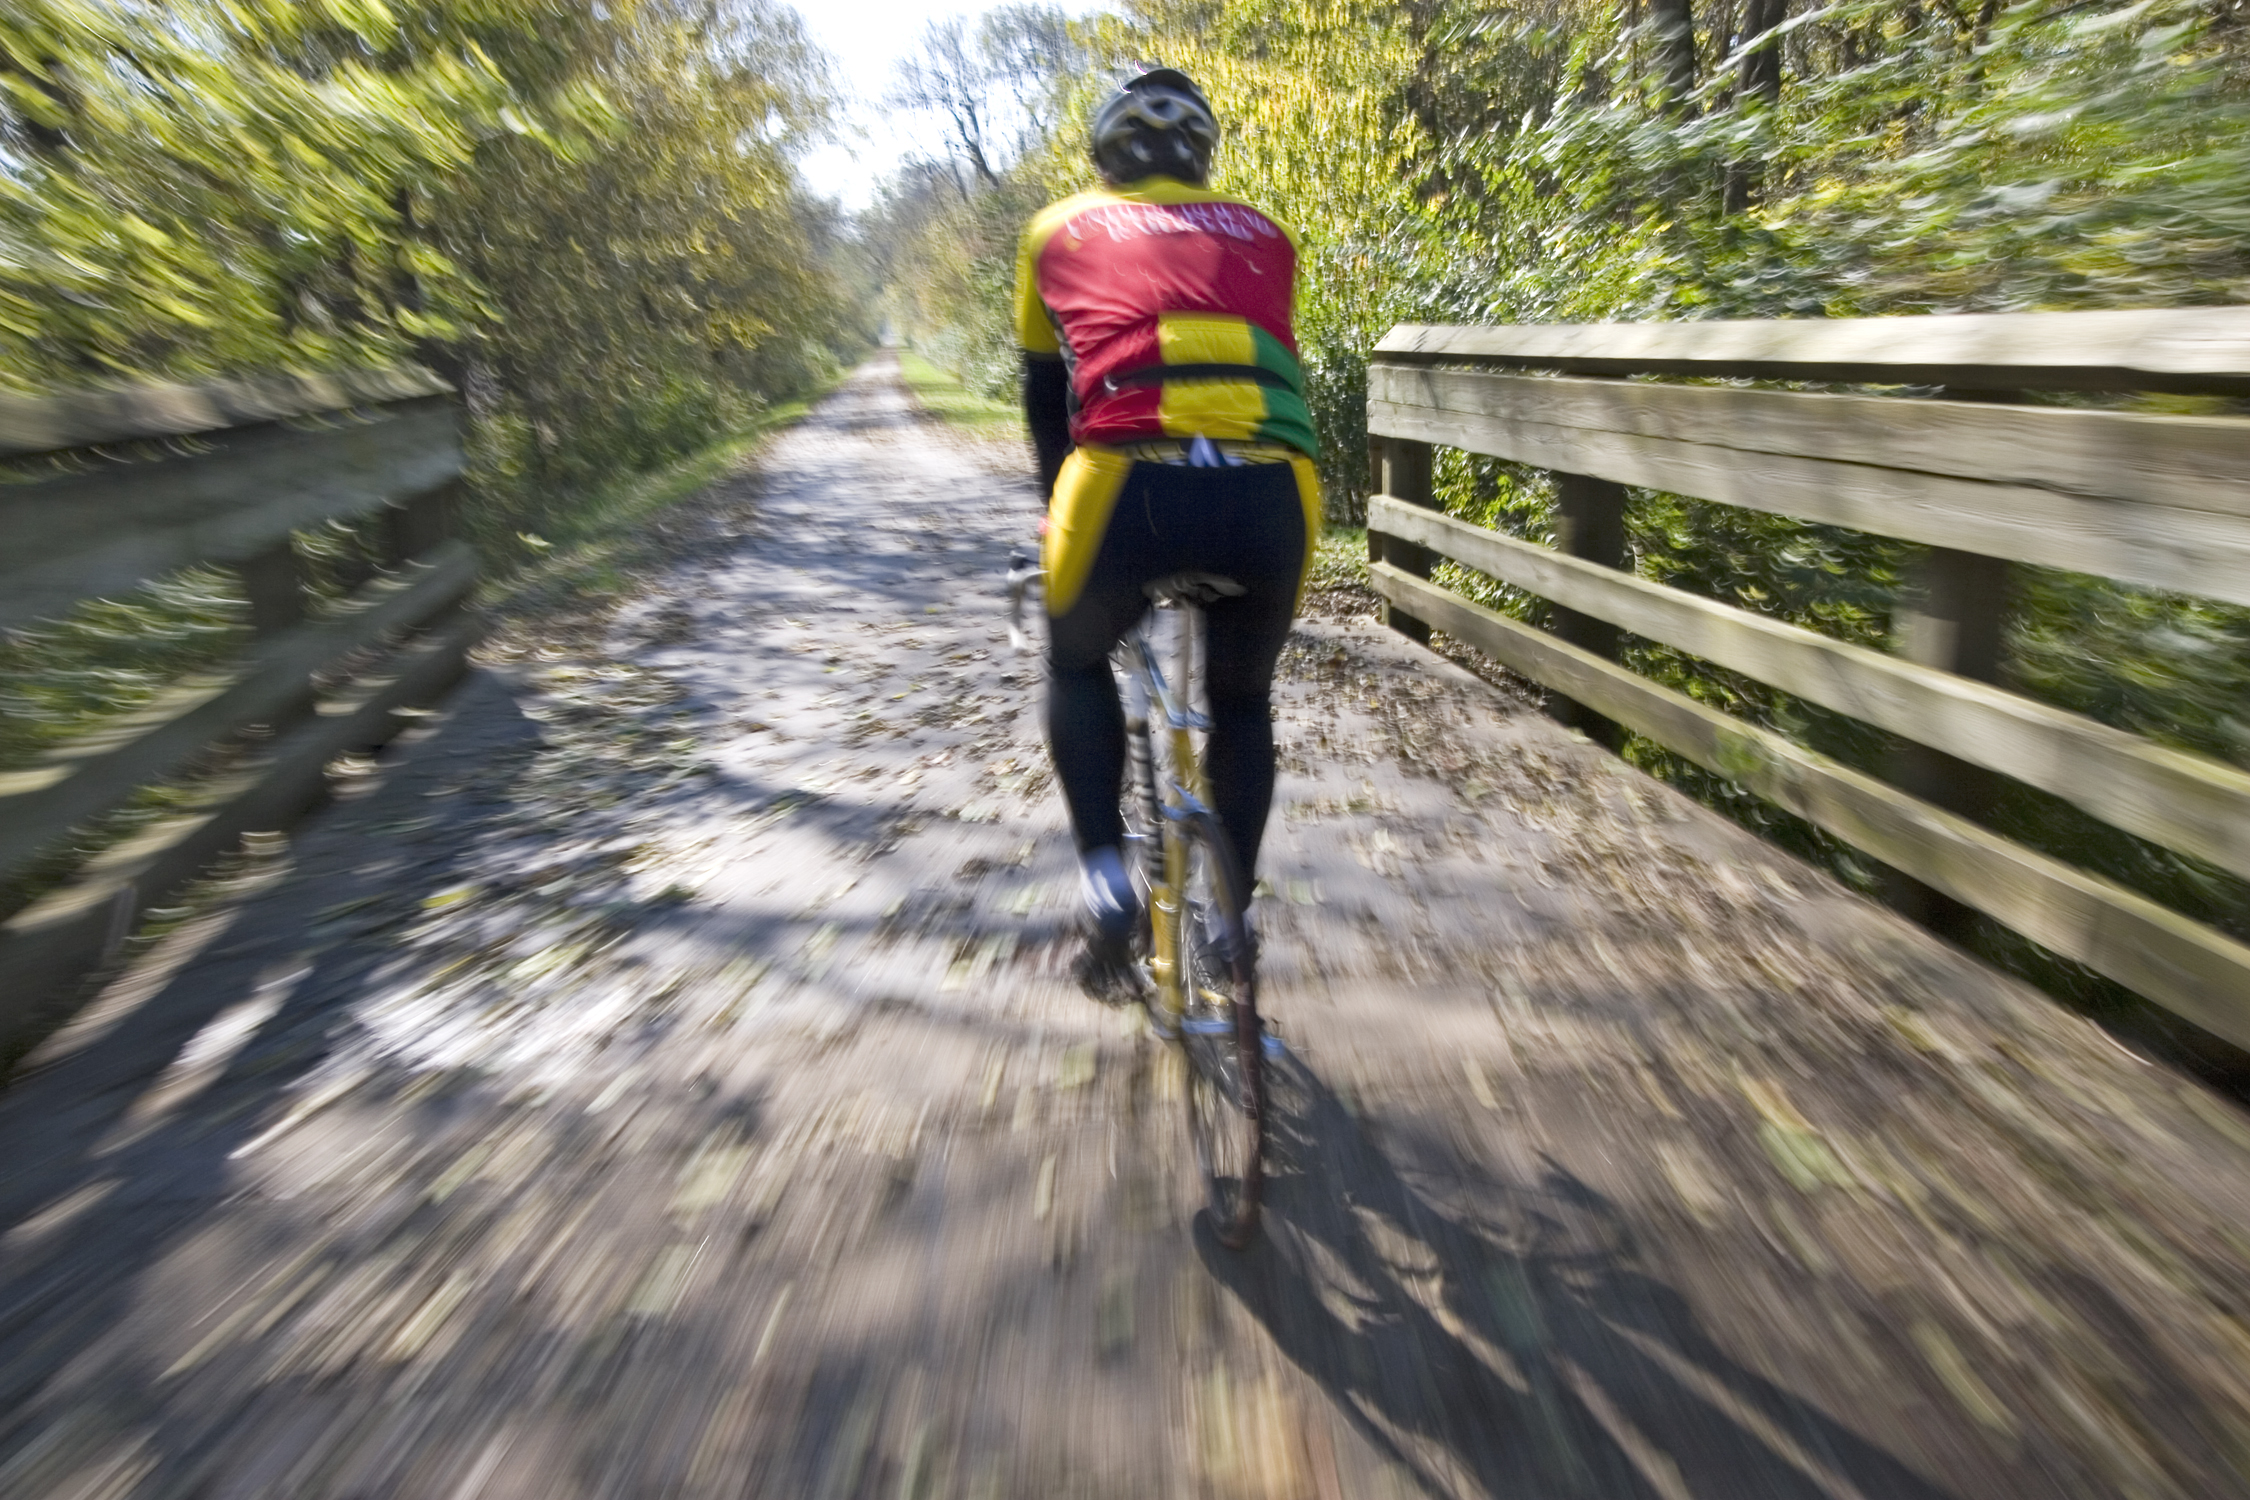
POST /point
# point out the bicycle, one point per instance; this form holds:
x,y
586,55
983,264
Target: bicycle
x,y
1194,951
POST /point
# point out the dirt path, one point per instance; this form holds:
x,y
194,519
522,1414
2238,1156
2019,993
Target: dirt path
x,y
660,1082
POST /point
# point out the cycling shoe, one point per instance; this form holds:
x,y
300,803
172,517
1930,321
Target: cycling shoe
x,y
1105,970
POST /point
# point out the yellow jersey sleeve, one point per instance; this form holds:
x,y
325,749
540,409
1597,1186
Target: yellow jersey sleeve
x,y
1035,331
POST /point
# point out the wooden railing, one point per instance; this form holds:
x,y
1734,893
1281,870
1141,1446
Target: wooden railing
x,y
2159,501
116,489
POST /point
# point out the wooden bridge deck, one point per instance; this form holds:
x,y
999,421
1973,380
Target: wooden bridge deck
x,y
659,1080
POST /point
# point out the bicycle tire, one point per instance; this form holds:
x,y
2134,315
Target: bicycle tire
x,y
1221,1035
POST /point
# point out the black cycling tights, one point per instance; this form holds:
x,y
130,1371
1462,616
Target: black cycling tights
x,y
1245,523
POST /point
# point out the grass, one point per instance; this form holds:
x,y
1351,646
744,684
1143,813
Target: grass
x,y
583,545
944,397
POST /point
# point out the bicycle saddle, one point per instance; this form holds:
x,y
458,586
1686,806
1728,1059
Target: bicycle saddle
x,y
1191,588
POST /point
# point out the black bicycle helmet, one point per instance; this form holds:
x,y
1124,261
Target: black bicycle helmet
x,y
1157,125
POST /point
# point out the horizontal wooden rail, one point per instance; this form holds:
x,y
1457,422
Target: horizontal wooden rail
x,y
2150,500
2154,500
130,486
73,928
77,781
2195,971
108,530
2203,349
86,419
2187,463
2186,802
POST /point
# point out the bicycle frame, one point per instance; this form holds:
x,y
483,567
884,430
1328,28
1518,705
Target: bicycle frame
x,y
1222,1045
1151,695
1182,793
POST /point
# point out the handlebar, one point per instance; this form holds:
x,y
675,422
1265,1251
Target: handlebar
x,y
1022,573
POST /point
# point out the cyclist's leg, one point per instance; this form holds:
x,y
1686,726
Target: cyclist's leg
x,y
1268,537
1093,597
1096,563
1085,721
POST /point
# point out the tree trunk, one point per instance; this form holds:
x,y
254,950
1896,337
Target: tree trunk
x,y
1761,70
1674,24
1760,79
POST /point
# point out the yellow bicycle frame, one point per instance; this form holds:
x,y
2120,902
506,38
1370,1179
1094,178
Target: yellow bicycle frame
x,y
1182,786
1168,703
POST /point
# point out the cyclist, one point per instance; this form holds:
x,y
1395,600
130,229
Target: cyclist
x,y
1167,409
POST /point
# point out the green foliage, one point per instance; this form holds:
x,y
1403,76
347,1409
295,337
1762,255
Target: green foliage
x,y
2069,157
656,285
198,187
944,396
113,656
583,211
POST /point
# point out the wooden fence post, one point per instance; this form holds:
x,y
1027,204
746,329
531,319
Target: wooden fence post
x,y
1955,622
274,580
1404,474
418,523
1953,619
1589,524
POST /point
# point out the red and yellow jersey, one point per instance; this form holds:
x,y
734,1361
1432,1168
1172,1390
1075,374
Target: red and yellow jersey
x,y
1124,281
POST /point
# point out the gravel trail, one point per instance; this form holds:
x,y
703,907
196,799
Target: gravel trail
x,y
659,1079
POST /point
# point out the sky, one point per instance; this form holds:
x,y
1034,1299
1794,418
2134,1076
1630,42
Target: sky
x,y
865,38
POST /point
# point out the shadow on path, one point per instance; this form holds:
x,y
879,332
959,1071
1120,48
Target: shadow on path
x,y
115,1146
1540,1367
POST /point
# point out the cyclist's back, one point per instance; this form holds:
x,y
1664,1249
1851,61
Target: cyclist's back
x,y
1166,404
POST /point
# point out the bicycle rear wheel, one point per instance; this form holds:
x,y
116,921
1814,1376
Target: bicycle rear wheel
x,y
1220,1033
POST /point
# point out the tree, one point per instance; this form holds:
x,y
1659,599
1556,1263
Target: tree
x,y
1759,86
950,77
1035,53
585,212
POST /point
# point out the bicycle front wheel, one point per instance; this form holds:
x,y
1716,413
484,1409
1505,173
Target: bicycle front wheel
x,y
1220,1033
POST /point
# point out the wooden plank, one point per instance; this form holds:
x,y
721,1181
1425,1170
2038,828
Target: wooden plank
x,y
2191,803
80,419
2182,349
42,802
2194,463
109,530
1404,470
2166,547
1589,520
57,938
1952,617
273,580
420,522
2201,974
